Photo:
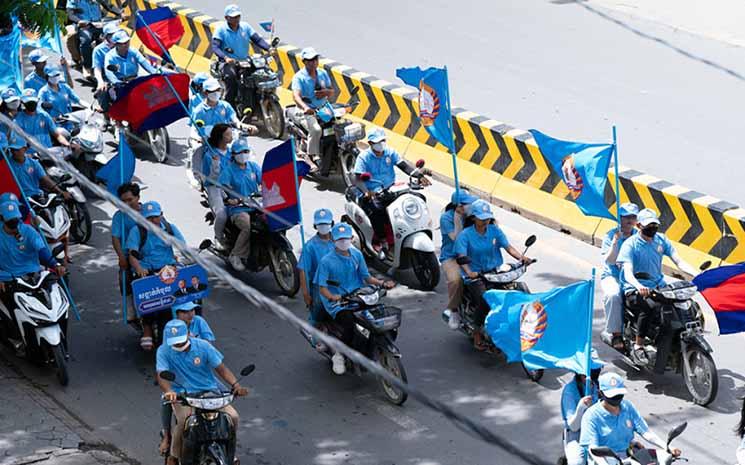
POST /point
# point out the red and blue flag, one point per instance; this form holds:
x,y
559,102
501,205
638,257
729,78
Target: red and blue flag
x,y
278,187
724,290
267,26
149,103
8,183
166,28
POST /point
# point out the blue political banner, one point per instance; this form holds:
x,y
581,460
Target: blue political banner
x,y
120,169
10,60
169,287
434,101
583,168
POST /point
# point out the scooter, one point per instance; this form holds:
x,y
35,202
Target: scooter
x,y
54,222
210,436
376,329
504,278
606,456
87,132
40,307
411,228
81,225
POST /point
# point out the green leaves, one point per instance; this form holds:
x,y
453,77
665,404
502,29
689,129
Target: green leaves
x,y
37,16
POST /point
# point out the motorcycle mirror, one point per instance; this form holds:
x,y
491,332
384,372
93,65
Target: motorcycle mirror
x,y
366,176
199,123
677,431
168,375
705,265
113,68
331,282
420,163
463,260
530,241
205,244
604,452
275,41
247,370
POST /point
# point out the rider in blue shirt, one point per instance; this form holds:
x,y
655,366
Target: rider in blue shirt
x,y
83,13
37,122
198,326
340,272
313,252
154,253
99,54
121,225
29,172
575,400
212,110
126,60
198,94
57,97
36,79
311,89
482,243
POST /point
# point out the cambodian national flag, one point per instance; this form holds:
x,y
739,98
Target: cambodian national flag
x,y
8,182
724,290
166,28
149,103
267,26
279,191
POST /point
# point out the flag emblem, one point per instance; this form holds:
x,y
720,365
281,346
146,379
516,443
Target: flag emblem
x,y
197,361
572,177
533,323
168,274
429,104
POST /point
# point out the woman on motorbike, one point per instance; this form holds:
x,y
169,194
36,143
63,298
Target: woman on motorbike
x,y
482,243
56,97
214,160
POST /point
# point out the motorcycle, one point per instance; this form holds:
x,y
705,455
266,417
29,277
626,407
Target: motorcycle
x,y
81,225
257,90
54,222
411,225
41,308
268,248
606,456
677,333
377,329
503,278
87,132
209,436
338,140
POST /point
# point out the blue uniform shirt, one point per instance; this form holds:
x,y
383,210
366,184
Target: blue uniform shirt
x,y
602,428
569,401
199,328
447,226
303,82
39,124
237,40
155,253
194,101
34,81
120,232
99,55
350,271
20,256
313,252
214,162
244,181
484,250
222,113
381,168
194,368
61,99
646,257
612,270
91,10
128,65
29,174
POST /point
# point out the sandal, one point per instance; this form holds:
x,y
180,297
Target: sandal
x,y
479,344
165,443
146,343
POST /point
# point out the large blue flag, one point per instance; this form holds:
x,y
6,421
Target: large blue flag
x,y
434,101
120,169
582,167
10,62
546,330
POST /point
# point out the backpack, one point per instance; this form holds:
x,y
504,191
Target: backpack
x,y
143,235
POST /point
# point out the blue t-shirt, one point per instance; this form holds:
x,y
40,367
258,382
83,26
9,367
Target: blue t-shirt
x,y
570,398
313,252
646,257
34,81
128,65
214,162
381,168
194,368
221,113
20,255
199,328
349,271
237,40
28,174
244,181
91,10
61,99
612,270
194,101
116,227
303,82
39,125
600,428
99,55
483,250
155,253
447,226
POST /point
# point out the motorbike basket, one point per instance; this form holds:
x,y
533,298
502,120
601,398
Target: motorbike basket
x,y
348,132
384,318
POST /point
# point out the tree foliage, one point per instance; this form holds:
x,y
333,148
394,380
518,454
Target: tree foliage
x,y
35,15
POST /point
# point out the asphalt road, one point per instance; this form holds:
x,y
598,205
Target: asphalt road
x,y
569,68
301,413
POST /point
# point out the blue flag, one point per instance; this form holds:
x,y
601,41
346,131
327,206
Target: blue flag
x,y
546,330
434,101
10,62
582,167
120,169
267,26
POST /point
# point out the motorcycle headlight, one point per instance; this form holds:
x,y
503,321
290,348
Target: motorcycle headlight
x,y
669,294
685,293
211,416
412,209
209,403
369,299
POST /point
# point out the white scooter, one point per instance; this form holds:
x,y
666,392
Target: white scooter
x,y
54,221
87,132
411,224
605,456
41,310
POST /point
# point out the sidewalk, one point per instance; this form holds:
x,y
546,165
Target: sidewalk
x,y
34,429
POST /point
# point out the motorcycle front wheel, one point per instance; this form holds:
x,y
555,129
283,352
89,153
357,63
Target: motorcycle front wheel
x,y
392,365
346,168
427,269
81,226
284,268
700,374
159,143
60,361
273,117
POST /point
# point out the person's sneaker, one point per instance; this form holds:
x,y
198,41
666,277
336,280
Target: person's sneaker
x,y
87,73
640,355
454,321
236,263
220,245
337,364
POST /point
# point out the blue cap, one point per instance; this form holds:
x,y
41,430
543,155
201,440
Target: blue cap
x,y
232,10
611,384
199,78
37,56
9,211
176,332
376,136
240,145
629,209
16,142
647,217
120,37
185,307
481,210
52,71
323,216
462,197
110,28
9,94
211,85
29,95
9,197
341,231
150,209
308,53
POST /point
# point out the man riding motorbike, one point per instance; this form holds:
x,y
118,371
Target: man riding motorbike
x,y
56,97
643,253
347,269
36,78
482,243
574,402
98,60
313,252
194,362
37,122
83,13
613,421
243,176
610,278
451,224
121,225
214,110
126,60
230,42
149,254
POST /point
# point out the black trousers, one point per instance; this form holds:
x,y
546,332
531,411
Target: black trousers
x,y
476,290
645,307
229,75
375,210
87,37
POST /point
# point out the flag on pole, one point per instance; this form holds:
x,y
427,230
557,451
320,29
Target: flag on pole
x,y
278,188
120,169
148,102
165,26
582,167
267,26
11,74
724,290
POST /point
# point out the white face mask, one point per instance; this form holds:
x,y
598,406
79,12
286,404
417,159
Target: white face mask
x,y
182,348
344,244
243,157
378,146
14,104
323,228
213,96
53,80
